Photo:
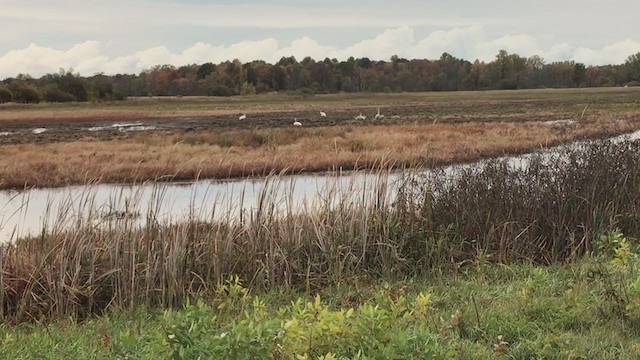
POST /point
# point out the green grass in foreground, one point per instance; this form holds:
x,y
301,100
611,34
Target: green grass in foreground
x,y
586,310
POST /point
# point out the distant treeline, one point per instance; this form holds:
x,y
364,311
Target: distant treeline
x,y
507,71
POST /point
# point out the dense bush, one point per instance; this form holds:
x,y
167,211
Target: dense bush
x,y
549,209
24,92
220,90
5,94
53,94
74,85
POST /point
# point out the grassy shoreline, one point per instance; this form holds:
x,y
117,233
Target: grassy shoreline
x,y
242,153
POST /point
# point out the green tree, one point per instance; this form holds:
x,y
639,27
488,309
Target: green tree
x,y
52,94
278,78
535,62
510,69
532,73
101,86
250,73
364,63
504,66
73,84
579,73
247,89
477,75
633,66
285,61
23,92
5,94
204,70
559,74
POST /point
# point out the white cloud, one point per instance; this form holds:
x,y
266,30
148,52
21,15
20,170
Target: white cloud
x,y
382,46
307,46
560,52
522,44
247,51
610,54
459,42
471,42
37,60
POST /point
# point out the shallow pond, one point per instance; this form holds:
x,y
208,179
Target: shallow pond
x,y
28,212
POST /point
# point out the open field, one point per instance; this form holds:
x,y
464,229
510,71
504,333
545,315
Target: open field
x,y
184,138
277,110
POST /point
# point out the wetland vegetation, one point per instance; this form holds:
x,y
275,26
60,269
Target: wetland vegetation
x,y
56,145
499,260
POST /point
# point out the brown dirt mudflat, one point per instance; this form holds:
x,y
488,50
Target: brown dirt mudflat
x,y
175,115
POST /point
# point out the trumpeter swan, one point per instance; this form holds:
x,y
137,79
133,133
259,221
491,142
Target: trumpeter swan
x,y
379,115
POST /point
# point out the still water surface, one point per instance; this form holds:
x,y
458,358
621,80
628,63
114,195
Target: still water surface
x,y
28,212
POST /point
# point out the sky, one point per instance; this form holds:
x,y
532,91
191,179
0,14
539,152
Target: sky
x,y
129,36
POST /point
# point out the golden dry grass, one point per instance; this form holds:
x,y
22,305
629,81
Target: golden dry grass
x,y
246,152
421,129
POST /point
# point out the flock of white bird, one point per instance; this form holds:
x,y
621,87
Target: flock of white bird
x,y
378,116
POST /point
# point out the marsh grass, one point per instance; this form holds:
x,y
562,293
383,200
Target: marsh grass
x,y
548,211
242,153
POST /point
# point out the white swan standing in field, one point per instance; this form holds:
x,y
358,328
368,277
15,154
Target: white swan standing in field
x,y
296,122
361,117
379,116
323,114
242,117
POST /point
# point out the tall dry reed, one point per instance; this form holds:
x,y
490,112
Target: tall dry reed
x,y
546,208
546,211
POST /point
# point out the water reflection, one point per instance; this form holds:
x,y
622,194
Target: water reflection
x,y
33,211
